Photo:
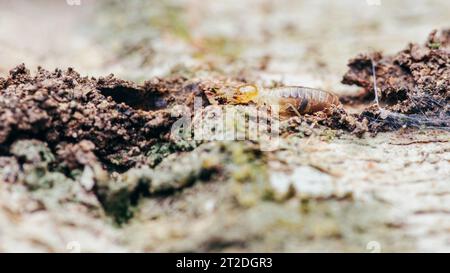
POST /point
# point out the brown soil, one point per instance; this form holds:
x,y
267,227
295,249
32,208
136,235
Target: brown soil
x,y
413,85
120,119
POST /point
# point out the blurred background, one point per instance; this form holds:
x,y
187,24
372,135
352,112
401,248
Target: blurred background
x,y
297,42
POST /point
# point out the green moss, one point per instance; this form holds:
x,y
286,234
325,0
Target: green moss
x,y
118,205
161,150
249,174
33,151
328,135
38,178
434,45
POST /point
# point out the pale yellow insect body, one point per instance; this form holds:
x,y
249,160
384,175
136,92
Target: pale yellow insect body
x,y
291,100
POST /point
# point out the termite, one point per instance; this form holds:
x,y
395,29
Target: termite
x,y
291,100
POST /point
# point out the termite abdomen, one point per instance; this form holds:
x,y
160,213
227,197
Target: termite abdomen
x,y
303,100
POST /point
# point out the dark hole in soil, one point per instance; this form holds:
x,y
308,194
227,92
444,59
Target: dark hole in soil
x,y
135,98
394,98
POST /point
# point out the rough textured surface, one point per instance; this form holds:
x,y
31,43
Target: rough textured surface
x,y
119,118
414,82
403,79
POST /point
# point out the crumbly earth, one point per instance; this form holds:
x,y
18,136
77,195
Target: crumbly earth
x,y
120,119
408,76
414,82
87,164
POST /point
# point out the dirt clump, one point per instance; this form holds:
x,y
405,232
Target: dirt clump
x,y
119,118
413,85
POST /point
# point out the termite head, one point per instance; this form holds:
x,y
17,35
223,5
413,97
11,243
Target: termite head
x,y
246,93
